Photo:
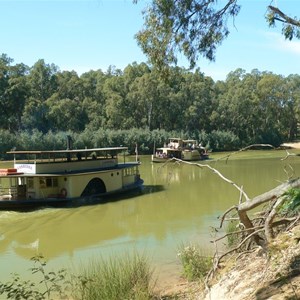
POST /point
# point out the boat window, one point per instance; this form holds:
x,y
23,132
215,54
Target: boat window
x,y
30,183
42,182
48,182
54,182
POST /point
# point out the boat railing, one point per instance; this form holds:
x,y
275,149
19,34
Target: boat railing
x,y
8,193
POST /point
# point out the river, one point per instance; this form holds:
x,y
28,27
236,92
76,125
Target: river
x,y
179,205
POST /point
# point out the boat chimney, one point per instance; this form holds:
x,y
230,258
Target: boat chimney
x,y
69,142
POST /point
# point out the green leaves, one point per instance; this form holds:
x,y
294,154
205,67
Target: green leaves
x,y
290,25
291,205
193,27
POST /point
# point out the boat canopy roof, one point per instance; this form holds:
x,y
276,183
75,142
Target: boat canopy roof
x,y
38,152
175,139
190,141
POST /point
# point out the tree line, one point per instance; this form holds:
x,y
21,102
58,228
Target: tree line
x,y
137,105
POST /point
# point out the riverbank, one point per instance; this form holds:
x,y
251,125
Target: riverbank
x,y
274,274
257,275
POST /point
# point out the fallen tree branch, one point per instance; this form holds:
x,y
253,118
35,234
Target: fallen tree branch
x,y
268,223
214,171
236,232
245,149
270,195
225,213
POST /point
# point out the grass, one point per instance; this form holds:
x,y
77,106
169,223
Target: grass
x,y
126,277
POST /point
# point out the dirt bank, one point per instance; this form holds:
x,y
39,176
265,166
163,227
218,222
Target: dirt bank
x,y
274,274
291,145
259,275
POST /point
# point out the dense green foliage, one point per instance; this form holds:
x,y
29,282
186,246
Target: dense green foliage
x,y
39,105
291,205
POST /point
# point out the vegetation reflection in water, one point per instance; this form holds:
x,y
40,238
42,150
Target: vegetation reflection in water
x,y
179,204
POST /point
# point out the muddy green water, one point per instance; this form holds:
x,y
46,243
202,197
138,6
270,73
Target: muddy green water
x,y
179,204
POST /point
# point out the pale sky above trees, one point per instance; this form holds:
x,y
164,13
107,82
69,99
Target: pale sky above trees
x,y
84,35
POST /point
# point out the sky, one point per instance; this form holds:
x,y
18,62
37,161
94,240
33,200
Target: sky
x,y
84,35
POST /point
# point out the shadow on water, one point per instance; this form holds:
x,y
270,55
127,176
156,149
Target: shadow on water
x,y
144,190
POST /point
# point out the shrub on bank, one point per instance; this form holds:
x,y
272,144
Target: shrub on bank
x,y
194,262
145,139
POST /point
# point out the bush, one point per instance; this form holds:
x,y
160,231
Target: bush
x,y
291,205
232,238
195,264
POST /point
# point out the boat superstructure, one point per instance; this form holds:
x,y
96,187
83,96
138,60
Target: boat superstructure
x,y
170,150
188,150
62,176
191,150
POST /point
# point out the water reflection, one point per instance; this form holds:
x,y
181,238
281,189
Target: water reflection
x,y
178,203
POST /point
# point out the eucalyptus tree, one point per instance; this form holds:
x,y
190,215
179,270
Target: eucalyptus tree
x,y
143,99
122,112
13,93
198,94
66,114
42,80
68,85
292,87
138,80
237,105
223,117
160,102
65,108
42,83
272,98
133,71
94,98
117,110
195,28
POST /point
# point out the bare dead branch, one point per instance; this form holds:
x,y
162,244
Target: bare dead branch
x,y
216,264
286,172
246,252
236,232
284,221
245,149
288,154
225,213
292,224
270,195
214,171
240,244
268,223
